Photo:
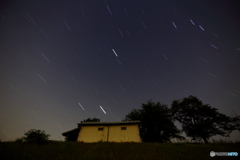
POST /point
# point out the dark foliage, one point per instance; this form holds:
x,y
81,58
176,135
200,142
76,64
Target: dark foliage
x,y
235,121
91,120
156,122
19,140
36,137
200,120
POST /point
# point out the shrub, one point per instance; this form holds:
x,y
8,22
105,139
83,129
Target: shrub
x,y
36,137
19,140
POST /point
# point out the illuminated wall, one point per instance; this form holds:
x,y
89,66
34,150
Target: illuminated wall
x,y
111,133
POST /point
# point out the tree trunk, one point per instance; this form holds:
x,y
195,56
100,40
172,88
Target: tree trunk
x,y
205,140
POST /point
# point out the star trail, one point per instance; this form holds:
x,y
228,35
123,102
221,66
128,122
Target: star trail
x,y
65,61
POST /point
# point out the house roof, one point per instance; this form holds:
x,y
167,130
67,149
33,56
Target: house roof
x,y
71,131
76,130
108,123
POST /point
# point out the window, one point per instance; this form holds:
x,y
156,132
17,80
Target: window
x,y
123,128
100,129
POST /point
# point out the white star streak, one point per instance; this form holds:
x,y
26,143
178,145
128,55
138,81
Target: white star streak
x,y
13,87
213,75
144,25
31,18
165,56
119,61
142,10
42,78
59,127
114,52
120,32
201,27
214,34
109,10
214,46
122,88
192,22
45,57
80,105
233,94
43,33
34,113
67,26
174,24
6,133
103,110
113,99
109,110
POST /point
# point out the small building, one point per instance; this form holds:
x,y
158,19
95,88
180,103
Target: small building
x,y
125,131
71,135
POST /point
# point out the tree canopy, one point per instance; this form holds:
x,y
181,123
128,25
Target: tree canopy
x,y
91,120
200,120
156,122
36,136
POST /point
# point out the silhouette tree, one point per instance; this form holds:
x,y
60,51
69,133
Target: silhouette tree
x,y
91,120
19,140
36,136
235,121
200,120
156,122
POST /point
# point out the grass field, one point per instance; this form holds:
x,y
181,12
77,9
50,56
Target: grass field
x,y
114,151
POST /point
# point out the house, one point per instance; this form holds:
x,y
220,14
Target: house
x,y
125,131
72,135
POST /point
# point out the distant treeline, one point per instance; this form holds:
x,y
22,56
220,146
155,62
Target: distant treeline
x,y
199,121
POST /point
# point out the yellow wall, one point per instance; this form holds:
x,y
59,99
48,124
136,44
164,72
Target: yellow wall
x,y
91,134
110,134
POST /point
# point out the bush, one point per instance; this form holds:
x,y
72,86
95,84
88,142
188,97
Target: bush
x,y
19,140
36,137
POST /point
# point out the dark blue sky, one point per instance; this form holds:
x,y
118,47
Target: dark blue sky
x,y
61,60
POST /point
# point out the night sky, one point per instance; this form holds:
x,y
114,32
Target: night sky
x,y
60,60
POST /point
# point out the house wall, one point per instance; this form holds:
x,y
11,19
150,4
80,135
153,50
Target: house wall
x,y
91,134
131,134
109,133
